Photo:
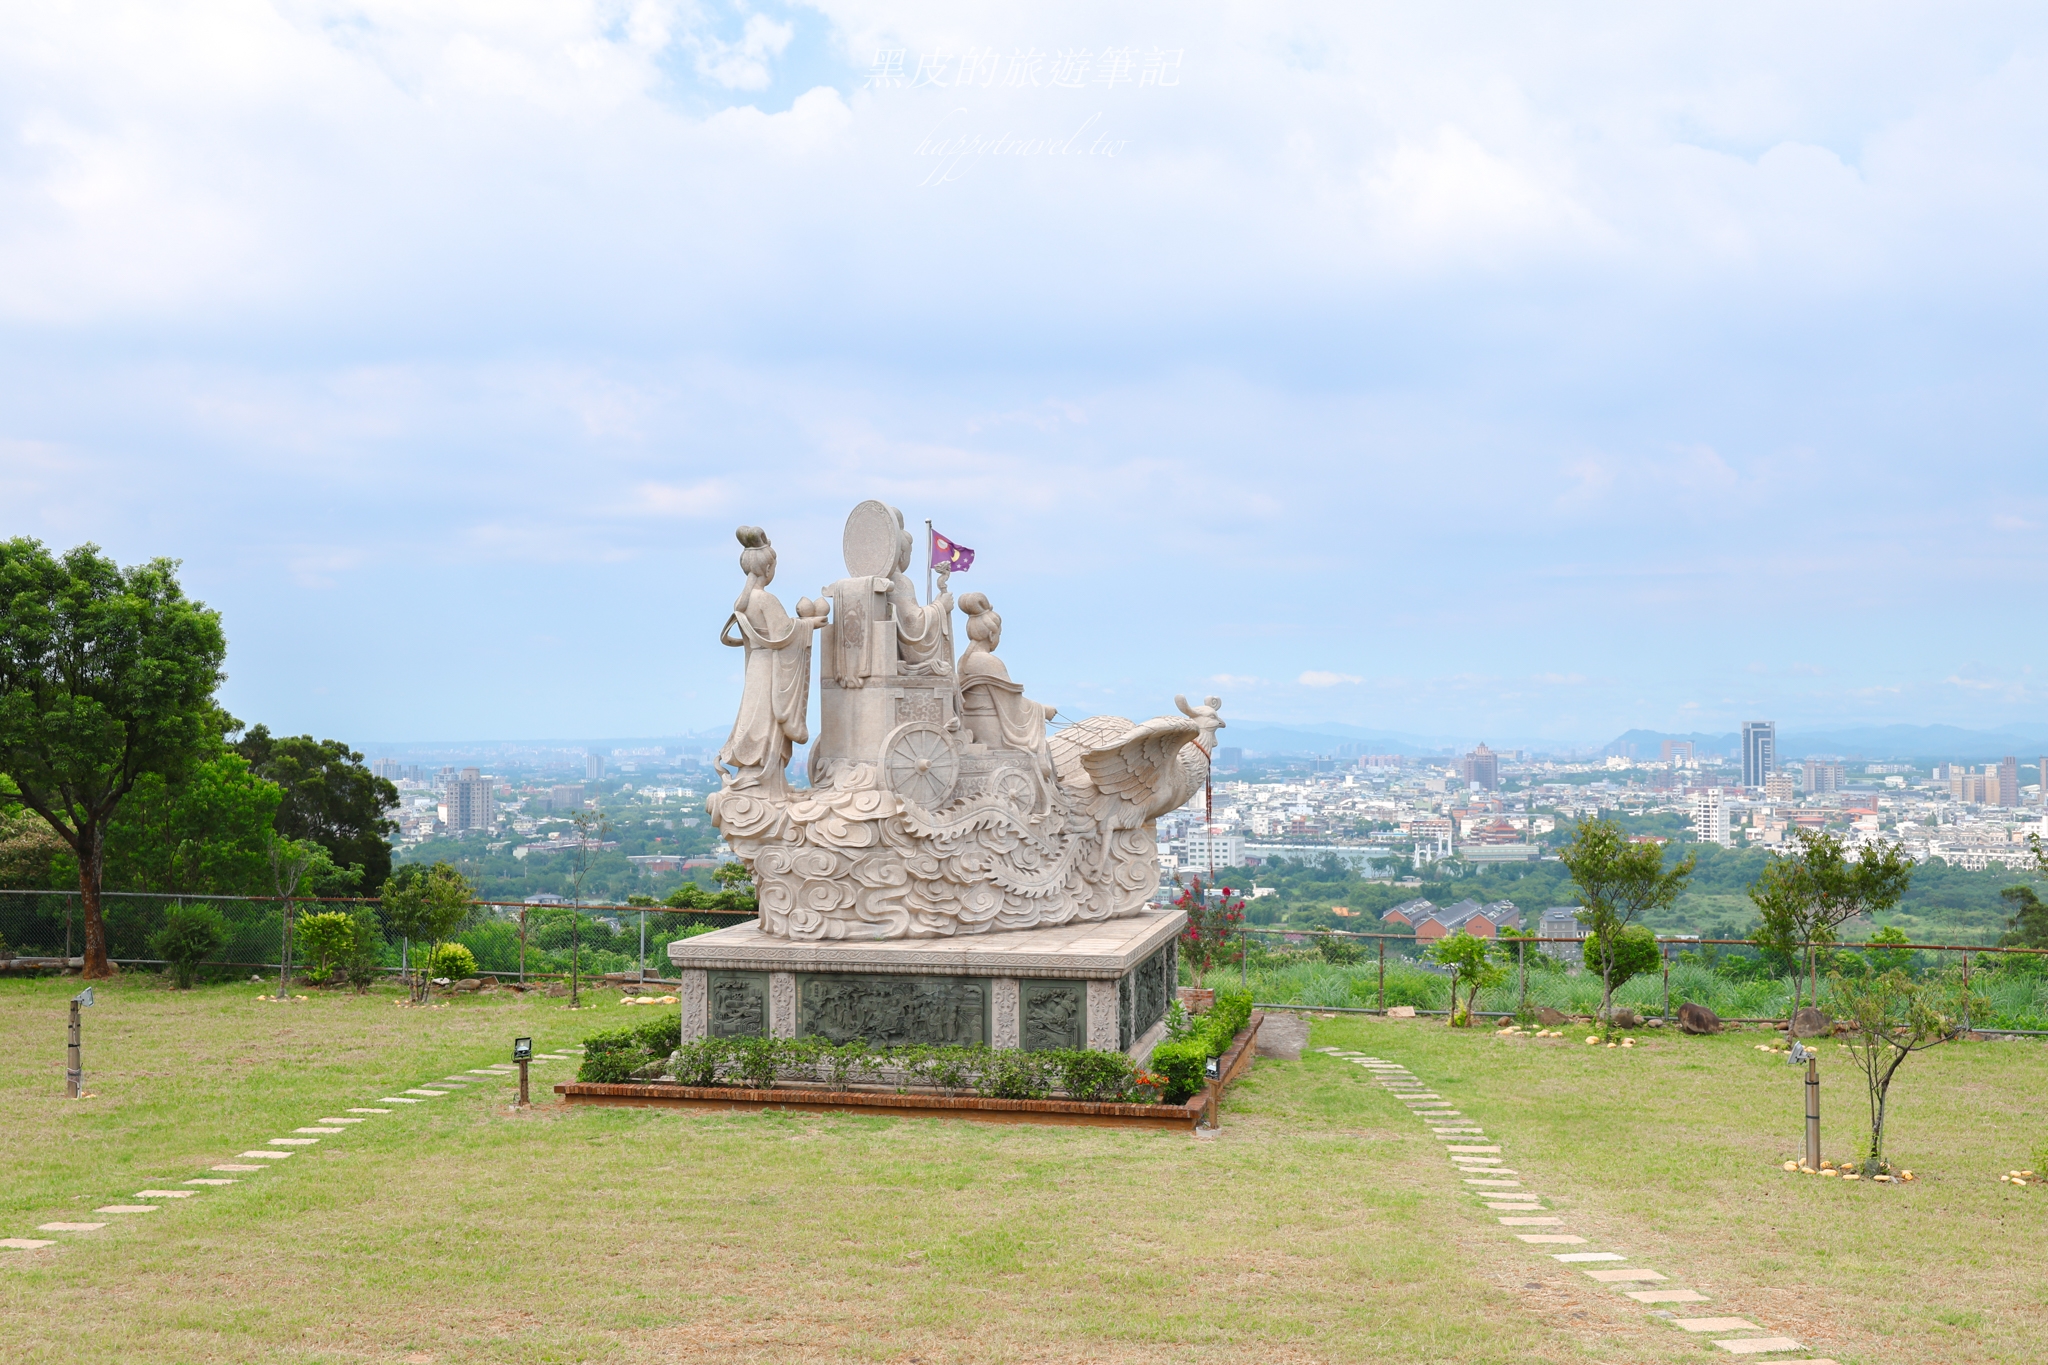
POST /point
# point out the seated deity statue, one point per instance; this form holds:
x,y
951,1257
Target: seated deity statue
x,y
996,710
924,634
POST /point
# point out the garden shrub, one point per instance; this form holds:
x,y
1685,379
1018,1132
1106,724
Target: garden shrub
x,y
191,934
451,960
760,1063
328,937
1183,1062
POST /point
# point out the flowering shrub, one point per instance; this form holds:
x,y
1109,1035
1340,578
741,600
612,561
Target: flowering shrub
x,y
1213,934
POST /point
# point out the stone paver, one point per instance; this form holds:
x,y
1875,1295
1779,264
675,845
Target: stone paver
x,y
129,1208
1496,1183
1489,1170
319,1130
291,1142
25,1243
359,1110
1530,1222
71,1227
1667,1296
397,1099
1748,1346
1573,1257
267,1156
1471,1149
430,1094
344,1121
1622,1276
204,1181
231,1166
1523,1208
165,1194
1549,1238
1716,1324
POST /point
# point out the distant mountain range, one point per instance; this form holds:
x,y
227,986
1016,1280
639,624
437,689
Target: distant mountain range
x,y
1925,742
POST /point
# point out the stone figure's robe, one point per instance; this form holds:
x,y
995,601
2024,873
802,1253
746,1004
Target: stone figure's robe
x,y
996,709
924,635
773,705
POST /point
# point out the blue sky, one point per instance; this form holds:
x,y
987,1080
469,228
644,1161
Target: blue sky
x,y
1463,371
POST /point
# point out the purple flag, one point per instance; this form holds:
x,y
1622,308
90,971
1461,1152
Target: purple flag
x,y
950,557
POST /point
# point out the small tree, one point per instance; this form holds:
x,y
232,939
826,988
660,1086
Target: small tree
x,y
1806,896
364,962
2028,927
1893,1017
1618,881
289,859
1636,953
190,935
425,905
591,827
329,937
1472,971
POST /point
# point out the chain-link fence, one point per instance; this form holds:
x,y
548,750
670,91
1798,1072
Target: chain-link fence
x,y
45,930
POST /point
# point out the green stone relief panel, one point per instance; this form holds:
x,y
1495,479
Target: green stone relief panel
x,y
739,1004
890,1010
1055,1014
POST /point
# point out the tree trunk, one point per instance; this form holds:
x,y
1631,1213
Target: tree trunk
x,y
91,862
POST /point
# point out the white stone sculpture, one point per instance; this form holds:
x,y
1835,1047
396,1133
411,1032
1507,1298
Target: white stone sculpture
x,y
938,804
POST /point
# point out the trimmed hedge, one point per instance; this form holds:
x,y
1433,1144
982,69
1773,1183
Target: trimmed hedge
x,y
1183,1060
759,1063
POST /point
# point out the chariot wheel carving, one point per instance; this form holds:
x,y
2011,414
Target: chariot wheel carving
x,y
920,765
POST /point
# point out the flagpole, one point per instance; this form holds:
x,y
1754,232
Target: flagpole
x,y
928,546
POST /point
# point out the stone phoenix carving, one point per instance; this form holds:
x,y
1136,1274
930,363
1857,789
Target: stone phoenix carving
x,y
938,803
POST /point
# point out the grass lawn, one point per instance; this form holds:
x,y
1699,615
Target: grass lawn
x,y
1322,1225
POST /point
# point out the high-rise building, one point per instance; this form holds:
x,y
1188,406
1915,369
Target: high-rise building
x,y
1481,767
388,768
469,802
2008,781
1759,751
1823,776
2042,795
566,796
1779,786
593,766
1710,817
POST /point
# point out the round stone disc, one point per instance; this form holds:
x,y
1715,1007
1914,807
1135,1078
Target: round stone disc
x,y
870,542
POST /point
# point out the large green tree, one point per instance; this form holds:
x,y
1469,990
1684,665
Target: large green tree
x,y
1619,881
106,674
202,834
329,798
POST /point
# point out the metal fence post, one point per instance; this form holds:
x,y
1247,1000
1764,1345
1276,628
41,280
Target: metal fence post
x,y
643,947
1813,1113
1383,976
74,1067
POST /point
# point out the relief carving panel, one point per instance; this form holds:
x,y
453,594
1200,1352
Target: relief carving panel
x,y
695,1001
1055,1014
738,1004
886,1011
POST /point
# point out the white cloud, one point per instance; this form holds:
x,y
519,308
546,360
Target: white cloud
x,y
744,65
1319,678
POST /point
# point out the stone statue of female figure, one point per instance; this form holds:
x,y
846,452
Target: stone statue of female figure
x,y
777,694
924,635
996,710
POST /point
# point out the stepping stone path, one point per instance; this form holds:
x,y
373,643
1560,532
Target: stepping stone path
x,y
326,1127
1482,1167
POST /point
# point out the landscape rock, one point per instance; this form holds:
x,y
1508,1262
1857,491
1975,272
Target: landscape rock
x,y
1551,1018
1283,1036
469,984
558,990
1625,1018
1698,1019
1400,1011
1808,1022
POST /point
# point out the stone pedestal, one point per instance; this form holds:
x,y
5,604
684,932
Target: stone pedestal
x,y
1103,985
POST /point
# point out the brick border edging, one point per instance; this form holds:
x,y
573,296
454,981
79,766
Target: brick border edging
x,y
1082,1112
